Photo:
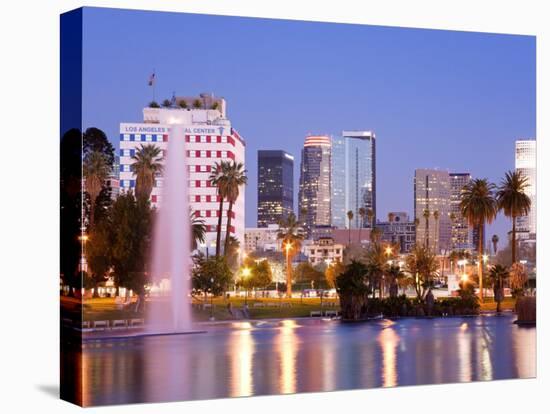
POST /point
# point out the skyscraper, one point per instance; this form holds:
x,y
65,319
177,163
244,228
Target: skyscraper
x,y
526,163
275,186
432,195
353,177
314,194
461,232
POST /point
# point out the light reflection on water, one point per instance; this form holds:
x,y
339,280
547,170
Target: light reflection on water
x,y
250,358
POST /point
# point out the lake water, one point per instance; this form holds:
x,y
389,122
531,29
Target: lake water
x,y
301,355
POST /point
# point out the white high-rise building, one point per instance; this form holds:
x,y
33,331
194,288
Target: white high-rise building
x,y
209,138
526,163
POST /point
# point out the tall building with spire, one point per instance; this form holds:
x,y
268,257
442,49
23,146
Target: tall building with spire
x,y
315,182
353,178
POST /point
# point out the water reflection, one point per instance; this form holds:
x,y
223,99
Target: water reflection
x,y
389,340
287,347
284,357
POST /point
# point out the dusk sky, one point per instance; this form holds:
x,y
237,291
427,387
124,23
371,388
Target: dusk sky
x,y
455,101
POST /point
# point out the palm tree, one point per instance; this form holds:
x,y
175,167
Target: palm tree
x,y
350,218
478,206
147,164
436,241
375,234
362,213
236,177
218,178
198,230
498,274
395,276
96,170
422,266
426,215
291,235
513,201
370,217
518,278
494,240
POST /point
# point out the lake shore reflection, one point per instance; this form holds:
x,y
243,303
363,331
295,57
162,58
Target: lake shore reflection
x,y
278,357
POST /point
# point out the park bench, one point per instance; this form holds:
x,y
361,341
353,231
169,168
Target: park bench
x,y
258,305
86,325
206,305
285,305
101,324
119,323
331,313
315,314
135,322
270,304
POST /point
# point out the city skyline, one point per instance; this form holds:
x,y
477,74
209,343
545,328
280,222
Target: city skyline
x,y
441,103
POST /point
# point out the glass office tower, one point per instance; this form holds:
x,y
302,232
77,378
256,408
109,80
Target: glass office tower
x,y
353,177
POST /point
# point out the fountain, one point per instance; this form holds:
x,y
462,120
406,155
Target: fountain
x,y
170,312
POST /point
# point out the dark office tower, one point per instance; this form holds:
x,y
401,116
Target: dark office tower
x,y
315,183
275,186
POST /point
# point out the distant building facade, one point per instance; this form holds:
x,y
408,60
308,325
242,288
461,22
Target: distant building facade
x,y
315,186
323,251
262,239
353,176
432,190
398,230
275,186
526,164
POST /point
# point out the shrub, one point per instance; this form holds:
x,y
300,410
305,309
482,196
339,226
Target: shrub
x,y
154,104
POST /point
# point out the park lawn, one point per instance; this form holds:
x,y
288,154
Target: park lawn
x,y
489,305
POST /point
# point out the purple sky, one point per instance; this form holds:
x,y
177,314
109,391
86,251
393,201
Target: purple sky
x,y
451,100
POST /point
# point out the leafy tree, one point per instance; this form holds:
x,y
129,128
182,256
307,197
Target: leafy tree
x,y
212,276
183,104
290,233
98,252
305,273
518,278
197,104
332,272
166,103
511,198
146,166
479,206
131,222
154,104
261,274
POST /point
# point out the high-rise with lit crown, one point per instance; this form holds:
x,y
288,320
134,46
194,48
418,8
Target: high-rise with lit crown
x,y
526,164
315,182
432,193
275,186
209,138
353,177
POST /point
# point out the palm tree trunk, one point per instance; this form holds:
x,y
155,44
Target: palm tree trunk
x,y
288,276
228,230
480,262
219,230
513,239
359,236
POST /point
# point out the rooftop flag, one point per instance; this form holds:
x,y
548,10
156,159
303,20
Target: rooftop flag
x,y
151,79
